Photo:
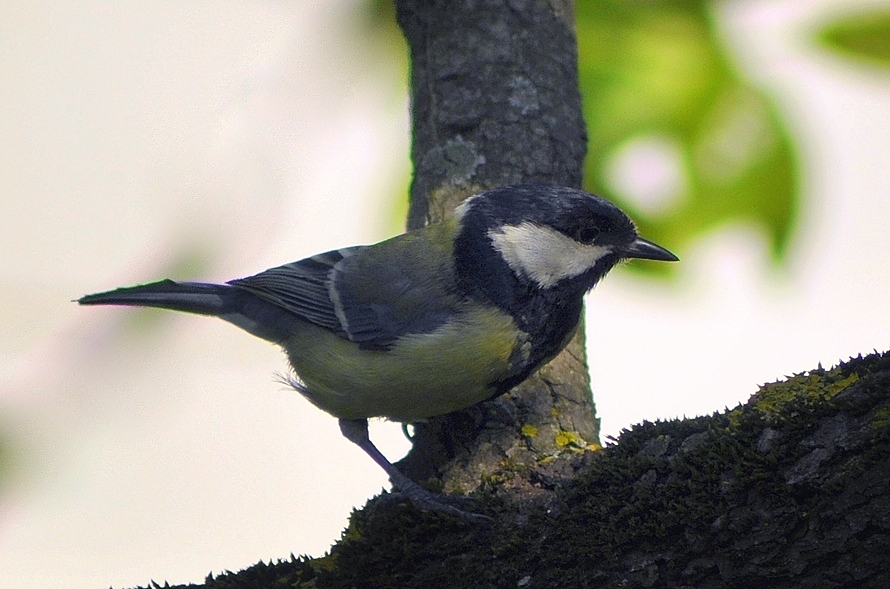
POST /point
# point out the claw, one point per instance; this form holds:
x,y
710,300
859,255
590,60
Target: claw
x,y
356,431
428,501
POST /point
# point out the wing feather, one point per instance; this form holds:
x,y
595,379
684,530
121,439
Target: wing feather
x,y
371,295
301,288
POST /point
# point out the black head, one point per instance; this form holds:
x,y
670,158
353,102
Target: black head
x,y
553,235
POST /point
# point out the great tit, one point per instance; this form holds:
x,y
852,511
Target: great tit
x,y
431,321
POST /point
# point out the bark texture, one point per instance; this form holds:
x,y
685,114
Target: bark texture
x,y
791,489
495,101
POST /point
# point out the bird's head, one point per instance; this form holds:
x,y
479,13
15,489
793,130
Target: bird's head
x,y
551,235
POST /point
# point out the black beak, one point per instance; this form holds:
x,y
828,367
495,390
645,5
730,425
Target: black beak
x,y
643,249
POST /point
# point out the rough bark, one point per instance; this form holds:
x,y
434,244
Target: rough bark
x,y
791,489
495,101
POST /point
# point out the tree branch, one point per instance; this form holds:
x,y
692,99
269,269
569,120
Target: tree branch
x,y
791,489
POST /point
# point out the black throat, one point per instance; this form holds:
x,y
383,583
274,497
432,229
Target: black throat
x,y
549,316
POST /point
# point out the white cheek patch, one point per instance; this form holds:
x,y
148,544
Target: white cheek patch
x,y
544,254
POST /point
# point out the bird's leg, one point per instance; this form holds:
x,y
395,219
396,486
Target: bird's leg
x,y
356,431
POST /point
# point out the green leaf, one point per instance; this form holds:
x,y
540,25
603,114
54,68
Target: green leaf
x,y
864,36
676,136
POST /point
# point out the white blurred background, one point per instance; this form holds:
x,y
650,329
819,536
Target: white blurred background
x,y
211,140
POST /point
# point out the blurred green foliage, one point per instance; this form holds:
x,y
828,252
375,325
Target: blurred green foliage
x,y
676,136
6,453
863,36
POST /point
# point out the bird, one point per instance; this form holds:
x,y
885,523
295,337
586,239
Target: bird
x,y
431,321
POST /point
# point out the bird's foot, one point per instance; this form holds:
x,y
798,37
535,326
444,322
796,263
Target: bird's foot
x,y
428,501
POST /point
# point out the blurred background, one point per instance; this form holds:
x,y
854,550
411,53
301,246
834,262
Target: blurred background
x,y
211,140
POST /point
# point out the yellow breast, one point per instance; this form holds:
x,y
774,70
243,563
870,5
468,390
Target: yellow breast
x,y
422,375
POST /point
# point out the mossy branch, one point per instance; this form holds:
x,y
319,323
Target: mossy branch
x,y
791,489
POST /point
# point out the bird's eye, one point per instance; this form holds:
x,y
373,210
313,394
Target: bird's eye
x,y
586,233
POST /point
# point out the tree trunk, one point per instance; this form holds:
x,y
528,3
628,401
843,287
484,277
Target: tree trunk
x,y
495,101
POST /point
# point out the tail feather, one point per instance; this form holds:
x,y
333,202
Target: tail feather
x,y
190,297
235,305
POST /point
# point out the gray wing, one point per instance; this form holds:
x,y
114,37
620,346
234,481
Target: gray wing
x,y
301,288
371,295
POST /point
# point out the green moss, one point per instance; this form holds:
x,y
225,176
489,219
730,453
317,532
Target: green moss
x,y
730,499
881,419
529,431
811,388
566,438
